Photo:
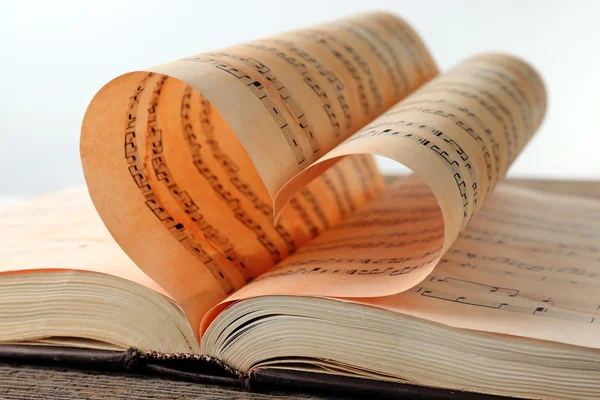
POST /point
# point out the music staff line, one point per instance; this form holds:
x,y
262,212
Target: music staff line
x,y
259,92
449,162
548,309
137,169
221,191
313,268
501,306
489,260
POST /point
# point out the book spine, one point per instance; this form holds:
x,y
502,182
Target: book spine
x,y
154,355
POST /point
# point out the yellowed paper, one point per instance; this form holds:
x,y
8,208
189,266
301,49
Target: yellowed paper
x,y
459,143
188,162
182,161
386,247
292,97
61,231
459,133
527,265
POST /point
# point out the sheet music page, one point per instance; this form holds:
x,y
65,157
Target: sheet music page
x,y
292,97
187,162
386,247
459,133
527,265
183,160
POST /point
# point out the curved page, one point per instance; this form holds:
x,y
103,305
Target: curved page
x,y
459,133
182,160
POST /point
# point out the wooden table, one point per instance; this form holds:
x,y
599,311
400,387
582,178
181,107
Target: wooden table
x,y
30,382
42,383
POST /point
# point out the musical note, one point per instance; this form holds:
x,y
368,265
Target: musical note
x,y
136,169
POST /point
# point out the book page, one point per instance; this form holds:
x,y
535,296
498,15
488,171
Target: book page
x,y
182,160
527,265
292,97
59,231
459,133
386,247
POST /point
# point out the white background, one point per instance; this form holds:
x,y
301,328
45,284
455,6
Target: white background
x,y
54,56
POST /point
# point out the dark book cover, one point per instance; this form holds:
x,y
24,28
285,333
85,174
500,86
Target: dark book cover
x,y
207,370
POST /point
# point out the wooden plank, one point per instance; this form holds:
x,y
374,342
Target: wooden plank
x,y
42,383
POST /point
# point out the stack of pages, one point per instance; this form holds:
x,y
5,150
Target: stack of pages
x,y
235,228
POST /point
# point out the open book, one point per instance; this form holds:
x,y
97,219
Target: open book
x,y
256,234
